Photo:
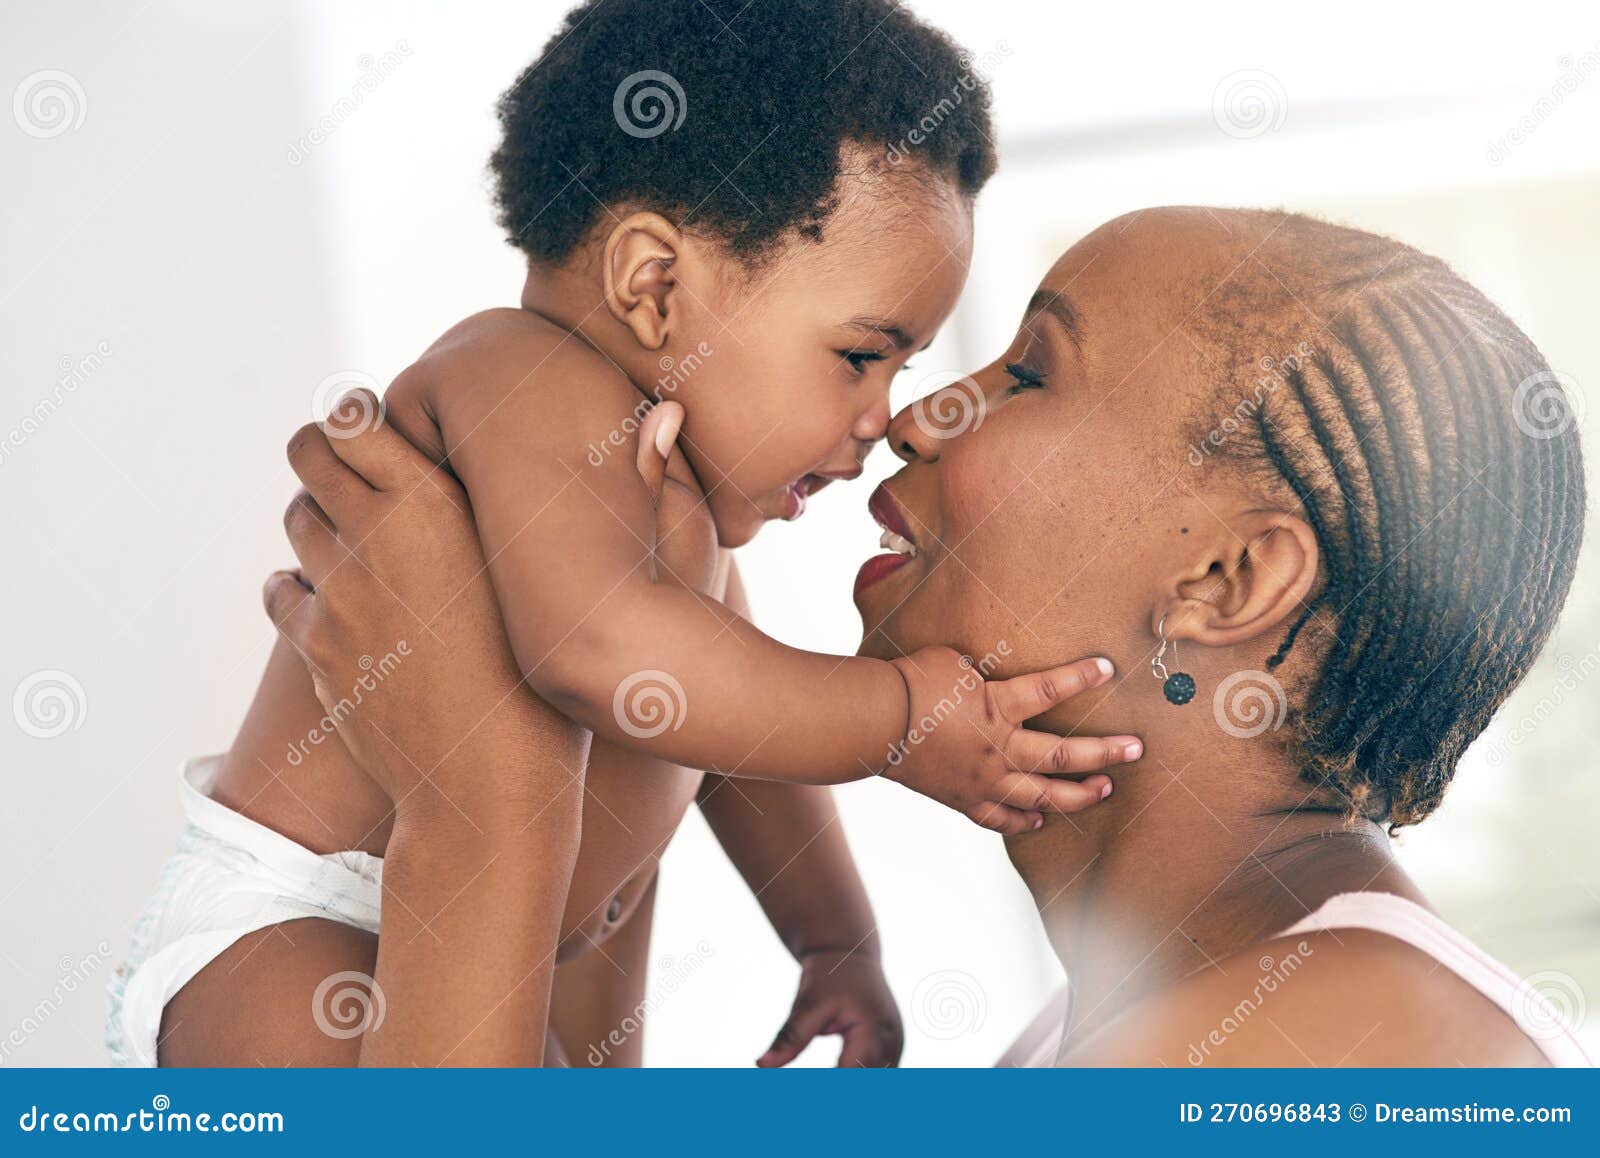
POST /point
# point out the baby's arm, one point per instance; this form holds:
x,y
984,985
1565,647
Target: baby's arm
x,y
571,550
642,660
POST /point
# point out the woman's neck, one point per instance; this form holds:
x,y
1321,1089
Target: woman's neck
x,y
1183,867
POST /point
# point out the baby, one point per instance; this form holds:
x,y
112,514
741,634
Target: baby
x,y
713,224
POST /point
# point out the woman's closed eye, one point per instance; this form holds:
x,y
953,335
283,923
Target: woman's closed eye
x,y
1023,378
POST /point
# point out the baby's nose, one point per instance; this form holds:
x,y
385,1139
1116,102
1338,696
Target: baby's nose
x,y
872,423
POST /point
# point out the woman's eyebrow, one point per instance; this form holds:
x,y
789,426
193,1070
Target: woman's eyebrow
x,y
1056,304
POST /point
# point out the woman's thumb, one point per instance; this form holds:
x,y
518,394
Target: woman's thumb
x,y
657,434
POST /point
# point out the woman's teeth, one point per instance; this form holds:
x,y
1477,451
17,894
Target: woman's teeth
x,y
897,544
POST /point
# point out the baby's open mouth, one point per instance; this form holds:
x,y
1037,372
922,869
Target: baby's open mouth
x,y
796,493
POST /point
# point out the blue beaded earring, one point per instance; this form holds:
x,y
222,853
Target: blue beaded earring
x,y
1178,686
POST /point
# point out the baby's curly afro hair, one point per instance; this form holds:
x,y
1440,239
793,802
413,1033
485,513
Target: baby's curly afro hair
x,y
729,117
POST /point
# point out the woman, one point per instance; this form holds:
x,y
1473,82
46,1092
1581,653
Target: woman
x,y
1286,469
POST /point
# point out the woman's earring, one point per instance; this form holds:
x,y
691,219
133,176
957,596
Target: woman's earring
x,y
1177,686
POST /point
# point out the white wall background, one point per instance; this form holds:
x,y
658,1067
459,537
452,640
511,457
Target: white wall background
x,y
167,257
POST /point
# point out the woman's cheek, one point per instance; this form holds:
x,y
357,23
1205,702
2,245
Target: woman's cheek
x,y
976,486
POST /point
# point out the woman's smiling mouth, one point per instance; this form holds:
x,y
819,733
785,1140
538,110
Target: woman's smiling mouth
x,y
896,536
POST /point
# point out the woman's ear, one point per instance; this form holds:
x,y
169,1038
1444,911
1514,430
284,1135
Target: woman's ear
x,y
1252,575
638,259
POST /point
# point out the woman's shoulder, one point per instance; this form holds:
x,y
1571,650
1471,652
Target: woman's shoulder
x,y
1330,997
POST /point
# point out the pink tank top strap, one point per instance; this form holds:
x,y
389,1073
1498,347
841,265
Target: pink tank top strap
x,y
1531,1002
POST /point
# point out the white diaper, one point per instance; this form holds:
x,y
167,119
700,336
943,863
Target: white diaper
x,y
228,876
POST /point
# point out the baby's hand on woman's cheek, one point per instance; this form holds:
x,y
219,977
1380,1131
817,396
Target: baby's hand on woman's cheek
x,y
965,745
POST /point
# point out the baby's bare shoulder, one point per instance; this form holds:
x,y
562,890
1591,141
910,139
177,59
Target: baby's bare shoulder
x,y
516,368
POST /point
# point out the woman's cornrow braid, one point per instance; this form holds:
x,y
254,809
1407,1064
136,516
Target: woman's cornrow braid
x,y
1448,532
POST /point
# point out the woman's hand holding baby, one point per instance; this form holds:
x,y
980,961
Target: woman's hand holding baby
x,y
965,745
401,649
486,780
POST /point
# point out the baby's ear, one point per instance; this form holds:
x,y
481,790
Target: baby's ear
x,y
1243,581
639,256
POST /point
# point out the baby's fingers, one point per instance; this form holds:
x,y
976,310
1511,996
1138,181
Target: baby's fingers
x,y
1042,752
1004,819
1025,696
806,1020
1026,790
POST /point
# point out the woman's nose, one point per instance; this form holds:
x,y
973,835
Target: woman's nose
x,y
919,431
908,441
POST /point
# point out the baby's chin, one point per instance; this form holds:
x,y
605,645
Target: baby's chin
x,y
737,526
738,519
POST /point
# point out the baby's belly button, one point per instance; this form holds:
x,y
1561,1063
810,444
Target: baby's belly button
x,y
623,902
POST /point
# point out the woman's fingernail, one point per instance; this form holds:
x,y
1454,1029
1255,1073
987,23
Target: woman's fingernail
x,y
1038,823
1105,790
1132,750
665,436
1104,666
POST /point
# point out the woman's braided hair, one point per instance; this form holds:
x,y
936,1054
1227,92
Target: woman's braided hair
x,y
1436,457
